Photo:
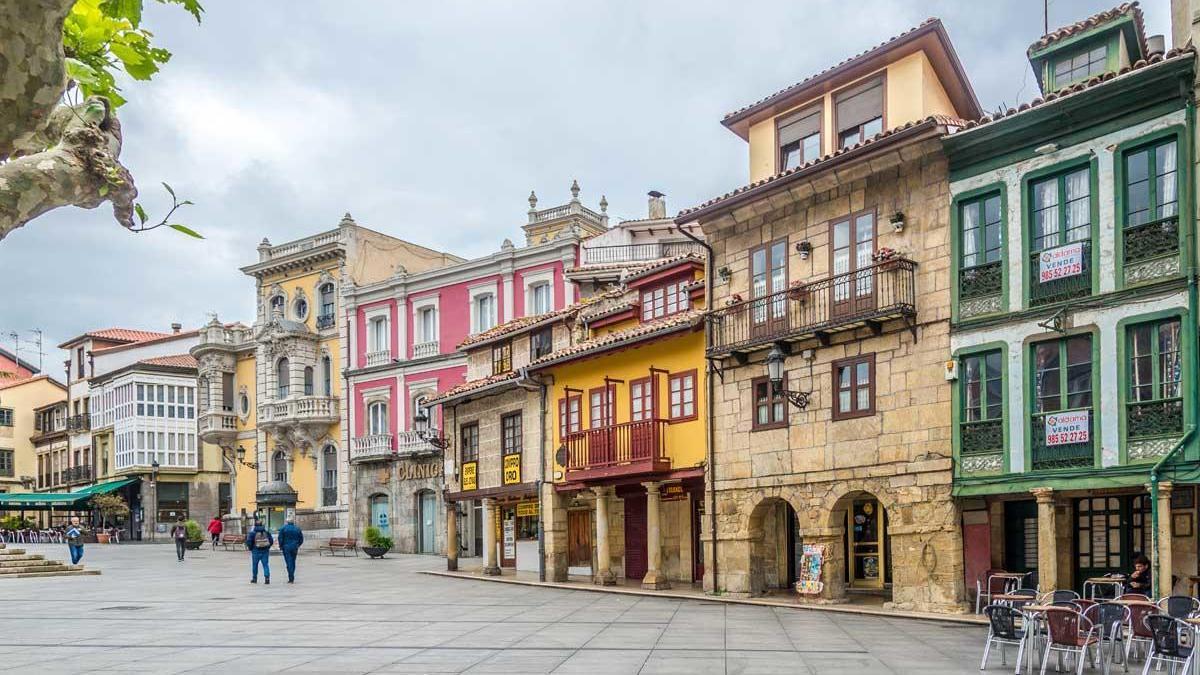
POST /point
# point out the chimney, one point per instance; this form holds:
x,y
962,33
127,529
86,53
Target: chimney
x,y
1156,44
658,205
176,328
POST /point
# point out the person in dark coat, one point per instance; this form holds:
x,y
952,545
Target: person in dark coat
x,y
290,538
259,542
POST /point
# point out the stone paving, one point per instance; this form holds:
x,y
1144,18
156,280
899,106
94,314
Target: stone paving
x,y
148,613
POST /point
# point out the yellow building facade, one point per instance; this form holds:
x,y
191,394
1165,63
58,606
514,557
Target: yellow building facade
x,y
19,399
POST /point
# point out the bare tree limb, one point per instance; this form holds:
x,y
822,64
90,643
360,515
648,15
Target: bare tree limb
x,y
32,71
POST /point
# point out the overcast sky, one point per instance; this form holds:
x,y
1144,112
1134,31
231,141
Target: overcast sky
x,y
433,121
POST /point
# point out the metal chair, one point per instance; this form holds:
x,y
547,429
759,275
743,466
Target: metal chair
x,y
987,587
1112,620
1166,647
1134,596
1002,630
1139,633
1029,595
1084,603
1179,606
1061,595
1070,633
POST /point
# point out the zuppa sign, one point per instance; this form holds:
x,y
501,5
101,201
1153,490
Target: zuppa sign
x,y
1068,427
1061,262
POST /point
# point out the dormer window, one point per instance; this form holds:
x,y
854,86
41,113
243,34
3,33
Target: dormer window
x,y
1080,66
671,298
858,112
502,358
799,138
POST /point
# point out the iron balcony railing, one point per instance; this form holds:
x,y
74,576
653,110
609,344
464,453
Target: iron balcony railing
x,y
628,447
980,281
1065,288
79,423
328,496
600,255
325,321
981,437
881,292
77,474
1147,419
1066,456
1154,239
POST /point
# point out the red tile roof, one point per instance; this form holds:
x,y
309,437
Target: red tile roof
x,y
473,385
1084,85
165,337
808,167
660,264
663,326
515,325
1093,21
8,383
176,360
117,335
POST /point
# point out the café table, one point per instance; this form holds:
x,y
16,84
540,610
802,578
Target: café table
x,y
1117,581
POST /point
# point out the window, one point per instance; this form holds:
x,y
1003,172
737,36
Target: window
x,y
79,362
1155,396
853,253
244,403
1151,183
377,335
600,406
282,377
6,417
279,466
858,113
799,138
301,309
327,302
569,421
854,387
982,388
665,300
768,275
1062,374
770,409
682,388
1062,209
377,418
982,231
6,462
502,357
277,304
427,324
641,399
326,375
329,477
308,381
470,441
541,342
1080,66
510,433
484,307
422,418
539,298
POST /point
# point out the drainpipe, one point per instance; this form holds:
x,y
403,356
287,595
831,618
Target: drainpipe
x,y
708,424
534,383
1188,244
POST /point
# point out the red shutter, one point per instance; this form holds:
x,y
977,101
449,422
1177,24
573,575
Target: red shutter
x,y
635,536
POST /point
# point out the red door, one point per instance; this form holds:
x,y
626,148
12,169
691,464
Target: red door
x,y
853,287
635,536
600,441
977,546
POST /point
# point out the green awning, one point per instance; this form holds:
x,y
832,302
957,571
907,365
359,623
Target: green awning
x,y
34,500
103,488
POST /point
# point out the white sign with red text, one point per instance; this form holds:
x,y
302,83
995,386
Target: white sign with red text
x,y
1067,428
1061,262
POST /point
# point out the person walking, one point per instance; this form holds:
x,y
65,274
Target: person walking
x,y
179,535
290,538
215,528
75,540
259,542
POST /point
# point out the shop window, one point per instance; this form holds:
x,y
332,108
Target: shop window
x,y
854,387
682,391
770,407
1154,397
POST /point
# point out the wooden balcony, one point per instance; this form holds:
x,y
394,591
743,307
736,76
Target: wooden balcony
x,y
867,297
625,449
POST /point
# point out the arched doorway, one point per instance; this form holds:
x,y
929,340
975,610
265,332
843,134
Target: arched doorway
x,y
380,517
863,520
774,546
426,521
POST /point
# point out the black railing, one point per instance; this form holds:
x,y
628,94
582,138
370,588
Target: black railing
x,y
328,496
981,437
886,290
980,281
79,423
1065,456
77,474
1064,288
1145,419
599,255
1150,240
325,321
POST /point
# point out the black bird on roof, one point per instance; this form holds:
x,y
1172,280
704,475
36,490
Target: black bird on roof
x,y
655,194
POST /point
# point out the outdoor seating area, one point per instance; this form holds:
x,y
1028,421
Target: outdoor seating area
x,y
1075,632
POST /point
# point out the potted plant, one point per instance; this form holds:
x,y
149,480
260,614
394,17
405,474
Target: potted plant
x,y
110,506
897,220
799,291
195,536
887,259
377,543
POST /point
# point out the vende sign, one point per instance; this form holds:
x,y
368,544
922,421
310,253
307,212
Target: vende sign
x,y
1068,427
1061,262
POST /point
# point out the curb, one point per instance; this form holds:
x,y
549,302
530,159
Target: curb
x,y
965,619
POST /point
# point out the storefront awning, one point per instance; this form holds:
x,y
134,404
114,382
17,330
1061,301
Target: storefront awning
x,y
41,500
104,488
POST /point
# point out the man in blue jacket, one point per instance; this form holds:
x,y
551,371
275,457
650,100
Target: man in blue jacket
x,y
259,542
290,538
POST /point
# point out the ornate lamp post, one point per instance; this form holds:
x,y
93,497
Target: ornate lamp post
x,y
775,363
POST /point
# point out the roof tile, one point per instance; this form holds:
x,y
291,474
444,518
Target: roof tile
x,y
175,360
688,319
1092,21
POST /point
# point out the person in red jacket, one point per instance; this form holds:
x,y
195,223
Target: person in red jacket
x,y
215,527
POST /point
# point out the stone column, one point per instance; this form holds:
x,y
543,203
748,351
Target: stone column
x,y
490,566
1165,533
603,574
654,577
451,536
1047,540
554,529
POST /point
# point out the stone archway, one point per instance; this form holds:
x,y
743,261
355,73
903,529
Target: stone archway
x,y
861,519
773,533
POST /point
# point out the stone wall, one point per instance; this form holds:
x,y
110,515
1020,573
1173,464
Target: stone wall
x,y
396,480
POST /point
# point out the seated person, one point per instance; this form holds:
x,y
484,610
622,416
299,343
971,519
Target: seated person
x,y
1139,580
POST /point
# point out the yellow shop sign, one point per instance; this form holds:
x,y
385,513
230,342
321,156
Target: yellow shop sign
x,y
512,469
527,509
470,476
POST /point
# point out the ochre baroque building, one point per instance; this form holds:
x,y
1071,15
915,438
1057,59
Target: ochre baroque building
x,y
830,436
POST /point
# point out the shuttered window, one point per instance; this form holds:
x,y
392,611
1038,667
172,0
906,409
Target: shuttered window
x,y
858,112
799,138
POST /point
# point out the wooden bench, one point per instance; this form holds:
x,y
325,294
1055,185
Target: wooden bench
x,y
234,540
342,544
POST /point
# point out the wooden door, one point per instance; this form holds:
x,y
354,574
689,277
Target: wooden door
x,y
852,248
635,536
600,441
768,276
579,538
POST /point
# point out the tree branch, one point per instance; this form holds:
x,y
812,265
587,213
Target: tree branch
x,y
32,72
82,169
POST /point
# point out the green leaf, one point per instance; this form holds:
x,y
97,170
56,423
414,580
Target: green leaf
x,y
82,73
140,212
104,190
168,187
185,229
123,9
186,202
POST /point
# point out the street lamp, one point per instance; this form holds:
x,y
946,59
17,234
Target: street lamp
x,y
241,458
775,362
154,471
421,426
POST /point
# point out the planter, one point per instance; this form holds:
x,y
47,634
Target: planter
x,y
375,551
889,265
102,537
193,545
798,294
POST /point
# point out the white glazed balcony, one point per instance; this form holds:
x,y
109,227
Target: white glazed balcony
x,y
373,447
379,358
425,349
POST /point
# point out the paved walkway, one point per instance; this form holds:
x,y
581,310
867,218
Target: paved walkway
x,y
148,613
